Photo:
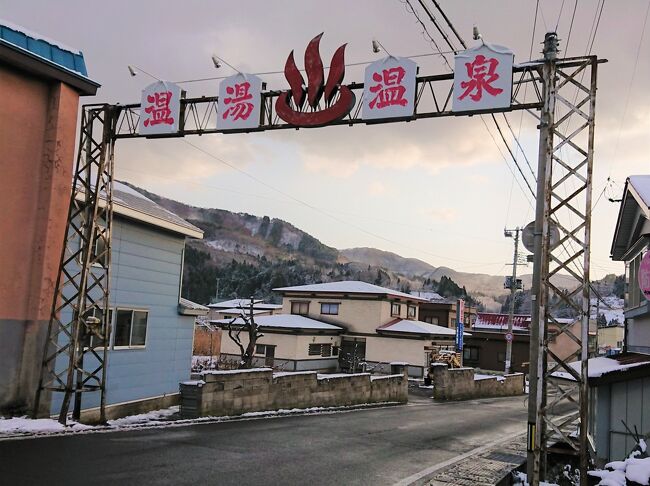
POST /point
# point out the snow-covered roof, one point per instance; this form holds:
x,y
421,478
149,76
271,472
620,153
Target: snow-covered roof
x,y
241,311
286,321
187,307
641,186
431,296
636,198
243,303
417,327
349,287
52,59
131,204
601,366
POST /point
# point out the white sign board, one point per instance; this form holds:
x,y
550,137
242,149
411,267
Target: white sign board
x,y
483,78
389,88
240,101
160,109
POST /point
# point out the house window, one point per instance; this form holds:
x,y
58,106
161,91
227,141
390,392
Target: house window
x,y
634,295
260,349
130,328
301,308
411,311
323,350
100,250
395,309
330,309
431,319
470,353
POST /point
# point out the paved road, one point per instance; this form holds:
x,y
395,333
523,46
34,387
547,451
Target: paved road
x,y
362,447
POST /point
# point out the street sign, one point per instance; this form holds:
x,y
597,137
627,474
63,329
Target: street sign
x,y
389,88
508,336
483,78
644,275
460,311
240,99
161,108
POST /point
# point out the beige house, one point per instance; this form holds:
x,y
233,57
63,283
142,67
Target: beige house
x,y
380,325
230,309
610,338
289,342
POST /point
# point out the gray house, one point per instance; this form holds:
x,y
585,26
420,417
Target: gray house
x,y
150,348
620,385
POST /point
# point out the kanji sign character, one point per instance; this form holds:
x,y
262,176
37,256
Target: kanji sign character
x,y
389,90
240,108
482,73
158,110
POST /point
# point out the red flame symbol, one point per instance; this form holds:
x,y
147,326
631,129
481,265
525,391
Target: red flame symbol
x,y
315,90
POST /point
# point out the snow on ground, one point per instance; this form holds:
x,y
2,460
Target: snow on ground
x,y
156,416
634,468
24,425
17,427
520,479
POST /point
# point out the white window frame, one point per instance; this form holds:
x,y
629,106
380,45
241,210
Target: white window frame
x,y
114,333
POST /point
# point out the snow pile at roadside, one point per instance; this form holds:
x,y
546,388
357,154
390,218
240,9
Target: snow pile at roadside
x,y
19,427
157,416
24,425
635,468
520,479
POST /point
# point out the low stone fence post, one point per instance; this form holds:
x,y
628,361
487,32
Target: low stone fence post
x,y
219,393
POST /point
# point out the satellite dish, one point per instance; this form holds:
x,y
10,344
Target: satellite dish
x,y
528,236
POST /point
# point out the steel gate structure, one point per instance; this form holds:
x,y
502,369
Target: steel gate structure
x,y
75,356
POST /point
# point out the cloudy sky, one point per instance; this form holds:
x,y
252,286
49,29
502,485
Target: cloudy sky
x,y
439,190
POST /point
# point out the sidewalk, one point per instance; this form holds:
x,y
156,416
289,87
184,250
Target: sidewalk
x,y
485,466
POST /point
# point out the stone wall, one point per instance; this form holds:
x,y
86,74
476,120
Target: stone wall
x,y
460,384
217,393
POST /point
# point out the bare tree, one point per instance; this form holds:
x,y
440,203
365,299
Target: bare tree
x,y
248,327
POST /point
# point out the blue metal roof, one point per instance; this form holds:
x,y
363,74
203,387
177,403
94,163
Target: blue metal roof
x,y
69,59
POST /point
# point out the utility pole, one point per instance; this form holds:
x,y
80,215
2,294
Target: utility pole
x,y
217,296
535,466
513,292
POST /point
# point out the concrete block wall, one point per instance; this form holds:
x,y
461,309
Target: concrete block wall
x,y
218,393
459,384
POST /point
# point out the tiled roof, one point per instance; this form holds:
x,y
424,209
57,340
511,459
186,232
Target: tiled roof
x,y
348,287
